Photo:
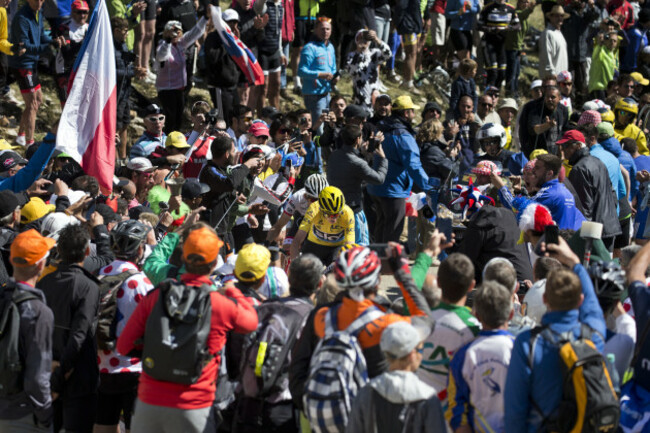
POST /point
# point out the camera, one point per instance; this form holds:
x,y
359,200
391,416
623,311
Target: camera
x,y
366,36
372,145
212,117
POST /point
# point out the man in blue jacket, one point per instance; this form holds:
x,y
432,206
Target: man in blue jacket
x,y
404,167
317,68
26,176
27,32
571,302
553,194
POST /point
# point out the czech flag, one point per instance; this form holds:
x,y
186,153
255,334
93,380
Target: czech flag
x,y
88,122
239,52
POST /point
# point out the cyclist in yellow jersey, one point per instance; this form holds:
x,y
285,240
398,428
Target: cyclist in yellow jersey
x,y
625,113
327,225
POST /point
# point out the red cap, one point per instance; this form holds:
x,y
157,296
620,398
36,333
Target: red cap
x,y
259,128
80,5
573,135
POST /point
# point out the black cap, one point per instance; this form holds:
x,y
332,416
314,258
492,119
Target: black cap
x,y
9,201
152,109
134,212
429,106
107,213
192,189
355,111
10,159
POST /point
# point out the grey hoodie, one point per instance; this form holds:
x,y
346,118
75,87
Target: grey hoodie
x,y
396,402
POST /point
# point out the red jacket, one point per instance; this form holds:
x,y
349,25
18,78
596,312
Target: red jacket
x,y
229,312
192,167
624,9
289,21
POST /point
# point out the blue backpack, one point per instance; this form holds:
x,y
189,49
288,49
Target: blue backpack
x,y
337,371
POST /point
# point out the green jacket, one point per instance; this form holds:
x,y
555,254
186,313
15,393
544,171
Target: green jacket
x,y
420,268
157,265
604,64
515,38
598,250
122,9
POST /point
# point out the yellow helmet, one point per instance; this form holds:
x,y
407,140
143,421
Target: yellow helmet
x,y
331,200
607,116
627,104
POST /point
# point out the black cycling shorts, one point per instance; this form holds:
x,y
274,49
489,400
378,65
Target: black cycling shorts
x,y
302,33
270,62
27,79
461,39
149,14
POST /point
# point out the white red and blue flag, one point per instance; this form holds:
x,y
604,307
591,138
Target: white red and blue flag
x,y
240,53
88,122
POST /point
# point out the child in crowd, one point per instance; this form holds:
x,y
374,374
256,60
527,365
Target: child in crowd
x,y
464,85
363,66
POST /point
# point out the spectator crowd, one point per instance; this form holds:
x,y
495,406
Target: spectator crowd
x,y
455,244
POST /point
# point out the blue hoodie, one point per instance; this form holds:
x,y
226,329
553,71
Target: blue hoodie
x,y
316,57
544,383
403,156
613,146
29,173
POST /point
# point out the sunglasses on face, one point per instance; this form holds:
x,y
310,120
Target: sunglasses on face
x,y
247,118
81,12
284,131
629,86
566,83
156,119
262,137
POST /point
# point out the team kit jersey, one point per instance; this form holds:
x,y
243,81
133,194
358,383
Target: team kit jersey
x,y
497,17
323,232
455,327
477,379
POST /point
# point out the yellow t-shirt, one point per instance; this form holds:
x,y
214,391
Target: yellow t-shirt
x,y
322,232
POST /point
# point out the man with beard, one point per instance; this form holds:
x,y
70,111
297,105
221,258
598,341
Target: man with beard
x,y
546,120
383,107
142,176
226,184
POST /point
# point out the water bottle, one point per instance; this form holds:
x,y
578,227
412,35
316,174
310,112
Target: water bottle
x,y
613,373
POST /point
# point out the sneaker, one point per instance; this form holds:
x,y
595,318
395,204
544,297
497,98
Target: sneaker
x,y
20,140
392,76
8,98
410,88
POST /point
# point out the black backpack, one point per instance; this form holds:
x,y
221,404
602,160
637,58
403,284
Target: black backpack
x,y
11,364
265,364
176,334
589,402
106,319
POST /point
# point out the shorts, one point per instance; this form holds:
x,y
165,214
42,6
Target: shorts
x,y
123,112
117,394
409,39
27,79
325,253
461,39
149,14
438,28
623,239
303,32
270,62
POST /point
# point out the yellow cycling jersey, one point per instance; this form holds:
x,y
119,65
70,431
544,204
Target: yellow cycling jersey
x,y
634,132
323,231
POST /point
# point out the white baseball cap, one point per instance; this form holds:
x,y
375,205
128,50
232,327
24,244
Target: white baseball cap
x,y
400,338
230,15
141,164
535,84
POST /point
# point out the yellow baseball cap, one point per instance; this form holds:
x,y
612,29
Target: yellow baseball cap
x,y
404,102
35,209
176,139
639,78
252,262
